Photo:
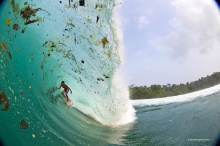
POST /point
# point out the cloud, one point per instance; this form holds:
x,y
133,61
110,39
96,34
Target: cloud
x,y
142,22
195,28
171,42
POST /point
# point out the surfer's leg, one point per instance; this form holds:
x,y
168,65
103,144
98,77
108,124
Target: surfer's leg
x,y
66,94
67,98
63,93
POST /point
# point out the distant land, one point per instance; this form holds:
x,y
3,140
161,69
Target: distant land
x,y
158,91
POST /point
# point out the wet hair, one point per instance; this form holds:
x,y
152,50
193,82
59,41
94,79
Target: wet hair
x,y
62,82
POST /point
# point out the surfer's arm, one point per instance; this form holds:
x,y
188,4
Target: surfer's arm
x,y
70,90
59,87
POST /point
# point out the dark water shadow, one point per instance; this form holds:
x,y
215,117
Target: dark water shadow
x,y
1,2
218,3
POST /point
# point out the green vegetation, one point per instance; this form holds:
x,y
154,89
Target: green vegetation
x,y
157,91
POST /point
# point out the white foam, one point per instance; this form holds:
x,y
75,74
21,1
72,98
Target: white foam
x,y
179,98
126,111
117,27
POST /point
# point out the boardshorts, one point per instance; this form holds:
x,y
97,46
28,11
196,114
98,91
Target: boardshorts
x,y
66,91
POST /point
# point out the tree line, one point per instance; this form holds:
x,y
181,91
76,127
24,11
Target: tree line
x,y
157,91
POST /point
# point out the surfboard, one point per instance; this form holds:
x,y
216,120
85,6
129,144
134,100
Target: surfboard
x,y
69,103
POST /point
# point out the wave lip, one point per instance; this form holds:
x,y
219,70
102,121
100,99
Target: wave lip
x,y
178,98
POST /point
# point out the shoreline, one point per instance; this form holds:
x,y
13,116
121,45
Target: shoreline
x,y
178,98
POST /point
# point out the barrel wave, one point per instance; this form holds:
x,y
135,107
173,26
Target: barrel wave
x,y
45,42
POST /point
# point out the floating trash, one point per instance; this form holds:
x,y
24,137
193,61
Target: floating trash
x,y
8,22
81,2
4,47
27,12
104,42
23,124
4,99
15,27
9,54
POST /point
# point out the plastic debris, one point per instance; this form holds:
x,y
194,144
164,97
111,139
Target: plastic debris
x,y
104,42
15,27
81,3
27,12
4,99
9,54
8,22
4,47
23,124
23,30
97,19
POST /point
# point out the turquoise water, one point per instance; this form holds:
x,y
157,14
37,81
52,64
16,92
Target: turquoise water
x,y
58,41
44,42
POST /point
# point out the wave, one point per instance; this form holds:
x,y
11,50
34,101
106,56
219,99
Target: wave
x,y
179,98
44,43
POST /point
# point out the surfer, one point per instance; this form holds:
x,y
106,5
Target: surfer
x,y
65,91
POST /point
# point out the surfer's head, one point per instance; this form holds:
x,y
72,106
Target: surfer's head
x,y
62,82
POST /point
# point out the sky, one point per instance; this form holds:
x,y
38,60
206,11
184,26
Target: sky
x,y
169,41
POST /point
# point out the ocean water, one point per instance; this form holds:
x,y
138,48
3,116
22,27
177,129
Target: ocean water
x,y
46,41
190,119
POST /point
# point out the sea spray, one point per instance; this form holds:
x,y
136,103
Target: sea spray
x,y
126,114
